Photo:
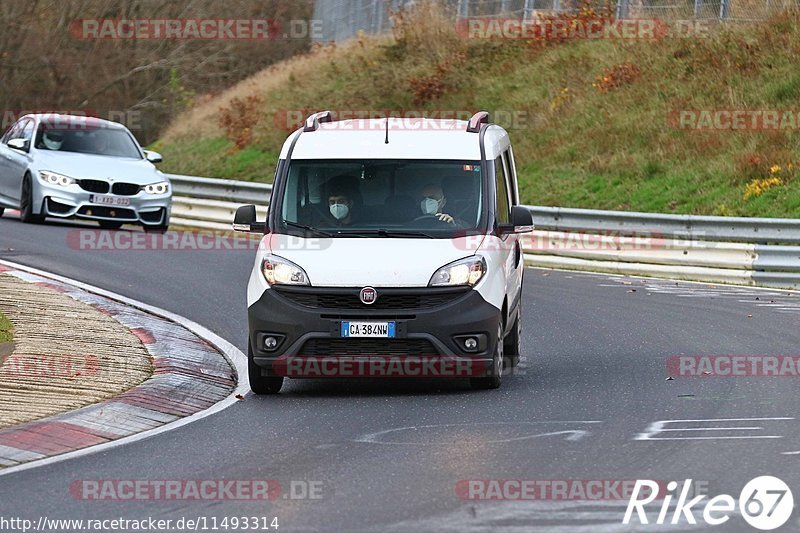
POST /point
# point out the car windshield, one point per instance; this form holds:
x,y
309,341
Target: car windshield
x,y
382,198
95,140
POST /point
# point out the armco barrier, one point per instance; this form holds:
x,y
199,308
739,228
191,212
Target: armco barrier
x,y
748,251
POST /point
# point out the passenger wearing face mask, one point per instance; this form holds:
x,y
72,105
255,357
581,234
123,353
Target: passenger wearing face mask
x,y
340,206
432,201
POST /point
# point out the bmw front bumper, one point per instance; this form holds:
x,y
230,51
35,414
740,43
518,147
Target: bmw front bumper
x,y
74,202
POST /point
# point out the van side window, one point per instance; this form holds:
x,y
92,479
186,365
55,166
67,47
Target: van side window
x,y
508,157
502,209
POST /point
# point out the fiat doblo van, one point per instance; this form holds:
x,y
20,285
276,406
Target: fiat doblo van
x,y
391,249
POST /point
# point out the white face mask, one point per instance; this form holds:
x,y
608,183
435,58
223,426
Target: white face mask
x,y
340,211
429,206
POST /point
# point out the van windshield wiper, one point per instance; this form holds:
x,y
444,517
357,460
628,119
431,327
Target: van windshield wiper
x,y
384,233
307,228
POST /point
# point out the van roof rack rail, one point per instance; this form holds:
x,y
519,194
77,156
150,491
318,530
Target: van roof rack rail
x,y
477,120
314,120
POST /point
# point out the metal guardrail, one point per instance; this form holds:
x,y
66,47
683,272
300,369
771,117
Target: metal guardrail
x,y
750,251
690,227
240,192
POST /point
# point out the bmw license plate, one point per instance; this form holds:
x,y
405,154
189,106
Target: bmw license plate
x,y
109,200
368,329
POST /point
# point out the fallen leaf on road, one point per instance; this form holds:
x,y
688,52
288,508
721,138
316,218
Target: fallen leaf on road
x,y
749,316
240,397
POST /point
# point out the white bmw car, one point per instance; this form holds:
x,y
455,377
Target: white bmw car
x,y
65,166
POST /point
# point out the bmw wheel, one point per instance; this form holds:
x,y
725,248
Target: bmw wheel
x,y
26,213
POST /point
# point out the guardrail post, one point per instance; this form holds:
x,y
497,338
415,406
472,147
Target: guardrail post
x,y
527,10
463,8
623,7
724,9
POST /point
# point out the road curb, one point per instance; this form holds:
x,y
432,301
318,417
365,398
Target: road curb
x,y
191,376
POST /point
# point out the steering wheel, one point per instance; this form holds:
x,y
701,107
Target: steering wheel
x,y
430,221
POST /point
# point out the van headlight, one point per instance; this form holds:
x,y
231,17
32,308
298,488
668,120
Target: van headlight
x,y
279,271
51,178
162,187
467,271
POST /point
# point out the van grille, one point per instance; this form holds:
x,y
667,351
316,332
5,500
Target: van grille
x,y
393,299
362,347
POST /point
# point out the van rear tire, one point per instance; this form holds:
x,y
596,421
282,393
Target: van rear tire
x,y
261,385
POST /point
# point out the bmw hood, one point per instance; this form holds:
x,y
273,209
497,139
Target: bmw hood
x,y
379,262
88,166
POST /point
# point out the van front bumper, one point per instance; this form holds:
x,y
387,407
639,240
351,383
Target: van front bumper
x,y
431,327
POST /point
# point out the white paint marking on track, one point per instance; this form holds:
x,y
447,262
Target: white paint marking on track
x,y
235,357
572,434
660,426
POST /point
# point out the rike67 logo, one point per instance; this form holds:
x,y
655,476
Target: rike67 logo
x,y
765,503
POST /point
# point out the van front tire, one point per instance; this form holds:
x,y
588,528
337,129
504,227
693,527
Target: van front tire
x,y
261,385
513,343
498,363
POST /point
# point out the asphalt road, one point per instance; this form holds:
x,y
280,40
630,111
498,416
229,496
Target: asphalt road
x,y
390,453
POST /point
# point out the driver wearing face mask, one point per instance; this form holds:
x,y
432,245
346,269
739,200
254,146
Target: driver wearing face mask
x,y
433,201
340,206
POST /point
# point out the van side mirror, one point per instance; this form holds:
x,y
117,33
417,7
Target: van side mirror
x,y
19,144
245,220
521,221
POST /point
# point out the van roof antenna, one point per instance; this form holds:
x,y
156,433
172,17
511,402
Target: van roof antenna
x,y
387,131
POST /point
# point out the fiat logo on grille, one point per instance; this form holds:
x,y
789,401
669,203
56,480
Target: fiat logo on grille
x,y
368,295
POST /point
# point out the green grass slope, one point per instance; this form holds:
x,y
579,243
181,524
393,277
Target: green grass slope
x,y
590,119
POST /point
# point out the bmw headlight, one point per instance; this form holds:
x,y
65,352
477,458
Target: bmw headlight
x,y
279,271
162,187
468,271
52,178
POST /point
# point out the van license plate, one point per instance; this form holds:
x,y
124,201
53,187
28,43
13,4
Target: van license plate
x,y
368,329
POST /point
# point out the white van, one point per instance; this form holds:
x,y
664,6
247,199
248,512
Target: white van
x,y
391,248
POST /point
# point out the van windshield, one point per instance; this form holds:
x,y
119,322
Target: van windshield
x,y
407,198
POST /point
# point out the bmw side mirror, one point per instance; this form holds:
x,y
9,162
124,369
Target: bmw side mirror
x,y
19,144
153,157
245,220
